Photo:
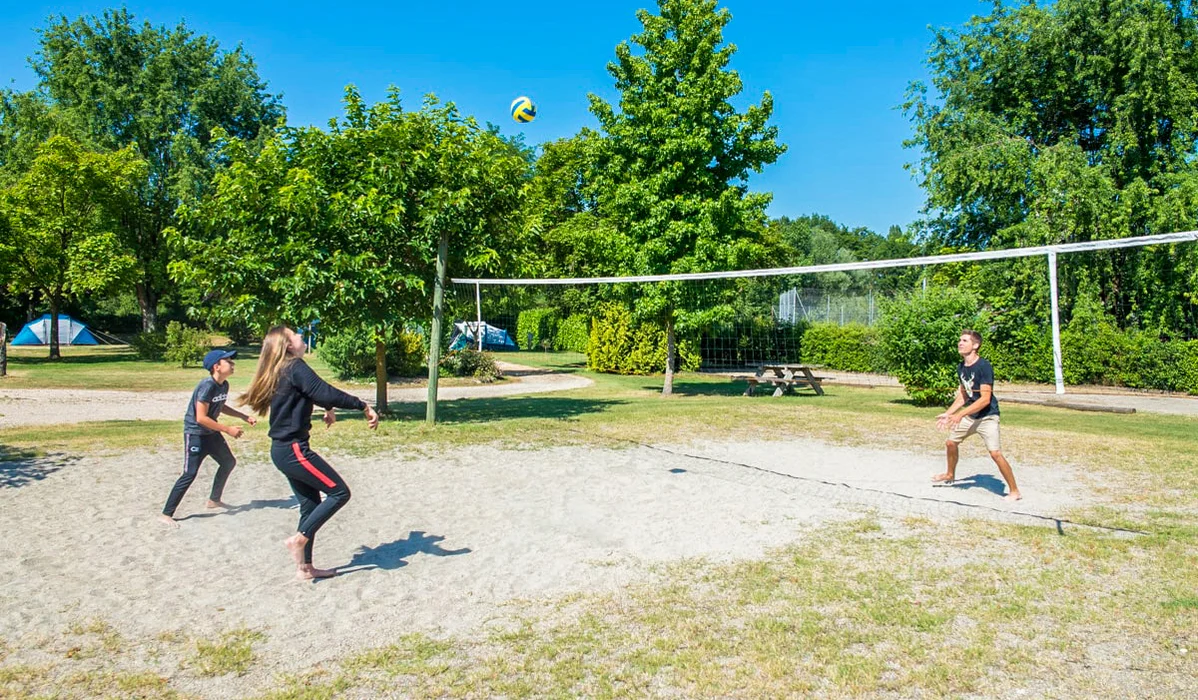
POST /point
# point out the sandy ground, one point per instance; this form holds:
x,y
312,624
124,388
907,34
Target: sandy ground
x,y
440,544
22,407
455,542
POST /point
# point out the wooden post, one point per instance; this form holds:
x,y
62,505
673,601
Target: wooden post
x,y
3,349
434,341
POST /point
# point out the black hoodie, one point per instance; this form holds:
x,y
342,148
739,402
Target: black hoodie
x,y
291,407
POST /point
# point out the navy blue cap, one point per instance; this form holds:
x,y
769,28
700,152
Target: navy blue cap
x,y
215,356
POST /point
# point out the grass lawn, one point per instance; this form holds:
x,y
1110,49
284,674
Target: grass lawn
x,y
882,606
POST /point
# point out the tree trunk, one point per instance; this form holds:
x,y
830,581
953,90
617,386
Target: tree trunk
x,y
380,375
667,388
54,352
3,349
147,299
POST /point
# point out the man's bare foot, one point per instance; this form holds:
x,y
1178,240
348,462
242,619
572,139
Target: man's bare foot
x,y
1013,496
218,504
168,520
295,545
307,572
944,478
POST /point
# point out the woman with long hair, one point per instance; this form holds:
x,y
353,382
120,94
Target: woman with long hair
x,y
287,386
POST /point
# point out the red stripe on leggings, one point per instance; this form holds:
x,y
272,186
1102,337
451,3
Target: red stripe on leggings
x,y
311,469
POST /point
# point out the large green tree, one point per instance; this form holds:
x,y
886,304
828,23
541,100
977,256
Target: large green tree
x,y
343,225
59,236
113,83
1070,121
675,157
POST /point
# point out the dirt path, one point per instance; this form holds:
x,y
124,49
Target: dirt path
x,y
22,407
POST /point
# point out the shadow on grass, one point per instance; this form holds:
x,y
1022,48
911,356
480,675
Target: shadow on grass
x,y
486,410
20,467
88,359
392,555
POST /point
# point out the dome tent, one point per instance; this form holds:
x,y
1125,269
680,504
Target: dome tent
x,y
70,332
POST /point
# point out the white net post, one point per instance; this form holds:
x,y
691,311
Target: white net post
x,y
1057,367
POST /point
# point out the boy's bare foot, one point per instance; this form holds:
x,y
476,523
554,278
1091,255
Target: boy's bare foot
x,y
944,478
1013,496
307,572
168,520
295,545
218,504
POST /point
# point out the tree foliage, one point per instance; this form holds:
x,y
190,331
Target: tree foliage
x,y
1070,121
114,84
342,225
60,222
673,163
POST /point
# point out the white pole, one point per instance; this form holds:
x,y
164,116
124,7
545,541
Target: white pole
x,y
1056,324
478,304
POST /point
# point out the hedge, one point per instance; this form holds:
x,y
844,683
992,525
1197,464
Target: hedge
x,y
852,347
618,346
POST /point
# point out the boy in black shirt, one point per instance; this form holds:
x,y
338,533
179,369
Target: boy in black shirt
x,y
975,410
202,433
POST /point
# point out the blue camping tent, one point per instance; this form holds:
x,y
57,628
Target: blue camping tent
x,y
493,338
70,332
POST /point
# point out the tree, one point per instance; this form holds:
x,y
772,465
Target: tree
x,y
675,158
61,217
343,225
1070,121
160,91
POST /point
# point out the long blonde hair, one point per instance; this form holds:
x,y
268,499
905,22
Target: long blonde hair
x,y
271,363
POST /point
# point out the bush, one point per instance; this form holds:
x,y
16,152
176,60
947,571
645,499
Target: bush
x,y
149,345
469,362
241,333
616,346
185,344
852,347
536,326
351,353
919,335
574,333
1022,354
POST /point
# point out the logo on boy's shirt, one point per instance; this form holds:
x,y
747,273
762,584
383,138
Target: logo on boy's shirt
x,y
220,398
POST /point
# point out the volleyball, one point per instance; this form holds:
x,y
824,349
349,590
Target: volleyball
x,y
523,110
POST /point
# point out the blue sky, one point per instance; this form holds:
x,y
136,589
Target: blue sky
x,y
836,74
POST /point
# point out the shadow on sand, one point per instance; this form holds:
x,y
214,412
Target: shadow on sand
x,y
22,467
392,555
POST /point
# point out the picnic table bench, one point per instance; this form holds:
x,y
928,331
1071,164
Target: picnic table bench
x,y
785,378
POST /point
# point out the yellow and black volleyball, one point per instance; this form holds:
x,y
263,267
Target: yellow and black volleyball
x,y
523,110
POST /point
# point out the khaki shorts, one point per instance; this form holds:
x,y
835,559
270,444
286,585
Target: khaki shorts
x,y
986,428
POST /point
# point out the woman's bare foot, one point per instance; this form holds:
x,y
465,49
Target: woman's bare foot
x,y
307,572
295,545
218,504
944,478
1013,496
168,520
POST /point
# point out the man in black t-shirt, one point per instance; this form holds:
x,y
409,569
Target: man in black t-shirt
x,y
202,433
975,410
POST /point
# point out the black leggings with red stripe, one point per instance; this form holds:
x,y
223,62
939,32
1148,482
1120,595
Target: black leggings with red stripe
x,y
309,476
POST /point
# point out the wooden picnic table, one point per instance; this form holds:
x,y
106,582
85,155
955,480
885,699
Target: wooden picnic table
x,y
785,377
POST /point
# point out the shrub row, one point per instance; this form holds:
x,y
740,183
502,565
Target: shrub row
x,y
619,346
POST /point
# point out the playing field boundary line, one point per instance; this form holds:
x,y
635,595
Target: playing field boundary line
x,y
1058,522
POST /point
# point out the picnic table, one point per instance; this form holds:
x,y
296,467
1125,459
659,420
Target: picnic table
x,y
785,378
